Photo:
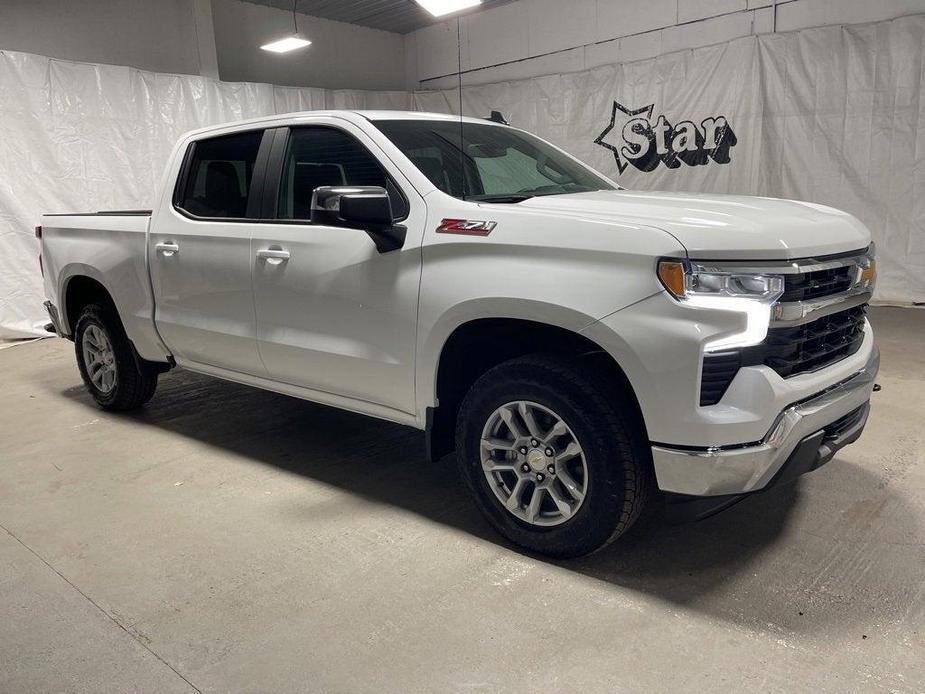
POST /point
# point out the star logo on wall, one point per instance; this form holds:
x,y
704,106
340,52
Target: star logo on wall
x,y
619,117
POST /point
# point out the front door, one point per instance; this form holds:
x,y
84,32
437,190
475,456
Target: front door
x,y
333,313
201,258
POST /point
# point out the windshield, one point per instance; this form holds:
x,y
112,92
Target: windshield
x,y
496,163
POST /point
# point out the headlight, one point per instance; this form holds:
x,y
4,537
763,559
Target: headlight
x,y
685,280
711,287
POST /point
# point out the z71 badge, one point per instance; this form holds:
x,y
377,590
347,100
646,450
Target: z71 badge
x,y
635,139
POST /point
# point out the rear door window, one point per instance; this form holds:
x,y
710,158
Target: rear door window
x,y
219,176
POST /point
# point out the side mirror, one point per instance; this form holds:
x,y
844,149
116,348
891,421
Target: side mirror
x,y
359,207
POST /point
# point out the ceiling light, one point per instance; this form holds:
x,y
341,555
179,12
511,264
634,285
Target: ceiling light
x,y
290,43
438,8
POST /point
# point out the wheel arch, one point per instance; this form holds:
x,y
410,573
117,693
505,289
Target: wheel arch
x,y
81,285
473,346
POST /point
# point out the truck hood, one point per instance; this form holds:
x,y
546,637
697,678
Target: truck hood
x,y
732,227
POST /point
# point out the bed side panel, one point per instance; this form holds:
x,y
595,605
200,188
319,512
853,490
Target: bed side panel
x,y
110,249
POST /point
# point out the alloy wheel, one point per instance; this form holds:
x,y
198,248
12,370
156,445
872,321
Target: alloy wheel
x,y
534,463
99,358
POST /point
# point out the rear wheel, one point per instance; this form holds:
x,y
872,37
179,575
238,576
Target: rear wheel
x,y
555,463
111,370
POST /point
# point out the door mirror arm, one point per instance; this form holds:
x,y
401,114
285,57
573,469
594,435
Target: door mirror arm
x,y
367,208
389,239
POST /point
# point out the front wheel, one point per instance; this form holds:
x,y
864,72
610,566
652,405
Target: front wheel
x,y
555,463
111,371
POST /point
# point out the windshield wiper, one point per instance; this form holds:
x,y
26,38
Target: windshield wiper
x,y
513,197
565,189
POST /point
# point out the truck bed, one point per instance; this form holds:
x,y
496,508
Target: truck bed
x,y
109,247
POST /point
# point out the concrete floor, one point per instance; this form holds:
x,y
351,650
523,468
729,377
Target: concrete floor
x,y
227,539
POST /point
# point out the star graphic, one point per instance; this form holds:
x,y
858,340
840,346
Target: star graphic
x,y
599,140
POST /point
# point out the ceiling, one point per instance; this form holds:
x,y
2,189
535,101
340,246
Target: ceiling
x,y
399,16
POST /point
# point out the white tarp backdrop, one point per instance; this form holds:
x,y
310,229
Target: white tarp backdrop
x,y
77,136
834,115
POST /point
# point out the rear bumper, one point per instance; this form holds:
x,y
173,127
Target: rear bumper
x,y
804,436
55,319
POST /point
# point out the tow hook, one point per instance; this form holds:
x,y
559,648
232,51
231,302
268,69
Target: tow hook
x,y
877,387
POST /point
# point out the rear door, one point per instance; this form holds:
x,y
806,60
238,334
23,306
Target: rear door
x,y
200,254
333,313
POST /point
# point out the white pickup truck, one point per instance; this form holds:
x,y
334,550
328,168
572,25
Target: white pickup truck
x,y
576,343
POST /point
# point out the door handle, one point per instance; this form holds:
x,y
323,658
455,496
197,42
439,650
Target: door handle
x,y
168,249
274,256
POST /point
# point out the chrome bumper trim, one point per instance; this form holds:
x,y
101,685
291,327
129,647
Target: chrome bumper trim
x,y
737,470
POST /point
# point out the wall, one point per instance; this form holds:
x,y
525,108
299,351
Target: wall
x,y
158,36
219,39
341,55
530,38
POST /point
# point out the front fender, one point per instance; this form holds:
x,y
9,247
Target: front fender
x,y
431,346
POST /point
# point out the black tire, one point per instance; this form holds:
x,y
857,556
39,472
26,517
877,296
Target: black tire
x,y
616,455
135,383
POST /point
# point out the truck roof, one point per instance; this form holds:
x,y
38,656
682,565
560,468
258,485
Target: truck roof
x,y
370,115
416,115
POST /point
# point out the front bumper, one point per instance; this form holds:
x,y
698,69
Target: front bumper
x,y
804,436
